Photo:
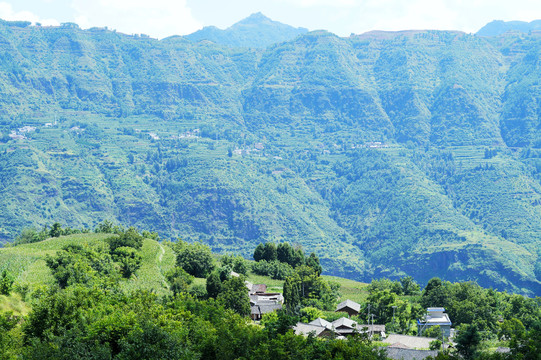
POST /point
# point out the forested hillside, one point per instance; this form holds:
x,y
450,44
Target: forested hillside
x,y
389,154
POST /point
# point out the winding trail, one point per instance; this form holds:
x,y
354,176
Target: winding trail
x,y
163,252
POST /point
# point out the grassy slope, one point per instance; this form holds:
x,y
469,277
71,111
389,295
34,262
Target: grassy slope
x,y
27,263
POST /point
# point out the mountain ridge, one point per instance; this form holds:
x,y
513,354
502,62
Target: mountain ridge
x,y
386,156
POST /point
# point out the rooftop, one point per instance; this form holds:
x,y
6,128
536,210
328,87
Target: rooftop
x,y
350,304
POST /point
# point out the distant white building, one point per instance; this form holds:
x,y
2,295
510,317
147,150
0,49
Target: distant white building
x,y
435,316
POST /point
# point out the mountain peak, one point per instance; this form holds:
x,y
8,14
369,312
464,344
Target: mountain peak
x,y
255,18
257,30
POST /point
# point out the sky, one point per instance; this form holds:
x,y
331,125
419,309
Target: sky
x,y
162,18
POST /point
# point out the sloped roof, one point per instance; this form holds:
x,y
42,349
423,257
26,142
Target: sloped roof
x,y
305,329
344,322
321,322
371,328
259,288
265,307
349,304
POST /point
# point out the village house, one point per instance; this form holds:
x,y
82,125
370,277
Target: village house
x,y
262,302
341,328
435,316
317,331
350,307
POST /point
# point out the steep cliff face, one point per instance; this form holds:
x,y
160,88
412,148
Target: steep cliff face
x,y
389,154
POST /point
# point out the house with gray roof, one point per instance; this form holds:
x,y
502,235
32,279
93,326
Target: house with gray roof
x,y
317,331
321,322
350,307
260,308
435,316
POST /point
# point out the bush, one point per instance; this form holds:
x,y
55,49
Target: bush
x,y
178,279
129,238
129,259
435,345
6,283
195,259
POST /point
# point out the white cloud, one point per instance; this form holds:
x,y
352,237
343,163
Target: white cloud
x,y
157,18
8,13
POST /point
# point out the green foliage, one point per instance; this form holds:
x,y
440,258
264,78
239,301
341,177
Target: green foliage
x,y
275,269
433,332
130,260
467,341
313,262
105,227
30,235
129,238
409,286
308,314
237,263
6,282
435,345
306,288
234,296
435,293
196,259
214,284
179,280
81,264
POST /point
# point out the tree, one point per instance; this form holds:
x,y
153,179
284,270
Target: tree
x,y
196,259
128,238
306,288
214,284
178,279
409,286
284,253
467,341
56,230
27,236
105,227
129,259
234,296
292,291
313,262
6,283
258,252
435,293
269,252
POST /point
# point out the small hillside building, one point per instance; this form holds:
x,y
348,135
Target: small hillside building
x,y
263,307
317,331
435,316
349,307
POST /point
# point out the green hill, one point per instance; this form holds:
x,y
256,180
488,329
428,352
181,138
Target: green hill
x,y
389,154
27,261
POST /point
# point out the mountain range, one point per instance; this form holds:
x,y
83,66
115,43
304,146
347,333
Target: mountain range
x,y
388,153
